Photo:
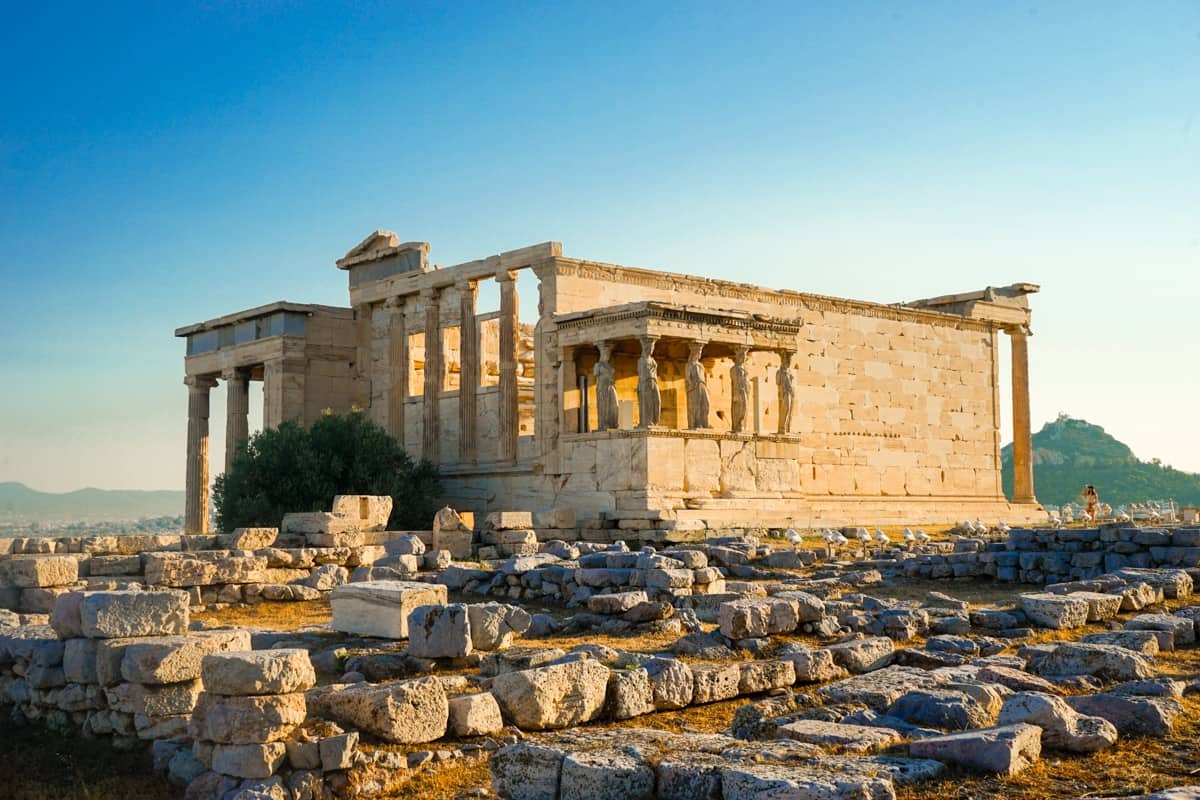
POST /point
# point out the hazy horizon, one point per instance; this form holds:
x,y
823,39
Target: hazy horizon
x,y
174,163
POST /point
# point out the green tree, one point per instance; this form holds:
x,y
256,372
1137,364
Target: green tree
x,y
293,468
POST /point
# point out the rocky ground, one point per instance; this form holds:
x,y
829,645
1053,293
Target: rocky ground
x,y
840,679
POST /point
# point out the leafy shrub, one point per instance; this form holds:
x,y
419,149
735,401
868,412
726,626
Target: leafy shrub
x,y
293,468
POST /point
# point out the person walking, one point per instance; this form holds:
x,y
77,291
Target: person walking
x,y
1091,502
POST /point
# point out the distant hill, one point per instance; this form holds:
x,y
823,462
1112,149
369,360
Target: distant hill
x,y
19,501
1068,453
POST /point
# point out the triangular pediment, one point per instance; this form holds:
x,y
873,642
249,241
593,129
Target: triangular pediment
x,y
379,244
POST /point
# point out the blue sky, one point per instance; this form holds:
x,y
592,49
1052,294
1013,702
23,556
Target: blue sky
x,y
164,163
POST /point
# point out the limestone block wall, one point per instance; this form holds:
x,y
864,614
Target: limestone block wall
x,y
1054,556
890,402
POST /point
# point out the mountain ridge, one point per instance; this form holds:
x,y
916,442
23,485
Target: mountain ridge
x,y
88,503
1069,452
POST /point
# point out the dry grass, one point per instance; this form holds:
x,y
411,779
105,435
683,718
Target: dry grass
x,y
277,616
445,781
708,718
1135,765
38,765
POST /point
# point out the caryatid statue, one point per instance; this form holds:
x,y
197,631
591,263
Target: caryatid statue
x,y
739,390
649,399
697,387
607,407
787,391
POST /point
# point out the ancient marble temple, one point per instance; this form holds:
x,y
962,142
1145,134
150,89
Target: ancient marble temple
x,y
645,397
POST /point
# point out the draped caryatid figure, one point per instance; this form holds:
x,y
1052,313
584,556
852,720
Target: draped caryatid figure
x,y
739,388
607,407
787,391
649,398
695,380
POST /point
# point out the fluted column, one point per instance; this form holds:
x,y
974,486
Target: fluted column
x,y
431,398
397,365
468,375
1022,433
510,423
195,511
237,410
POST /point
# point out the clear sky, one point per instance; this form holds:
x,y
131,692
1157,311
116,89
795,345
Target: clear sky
x,y
164,163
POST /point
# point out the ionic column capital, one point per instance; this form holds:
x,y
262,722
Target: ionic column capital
x,y
1019,330
200,383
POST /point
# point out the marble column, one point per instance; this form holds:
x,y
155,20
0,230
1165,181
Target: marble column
x,y
431,399
649,395
468,375
739,390
1022,434
696,383
787,391
510,422
237,411
397,365
195,513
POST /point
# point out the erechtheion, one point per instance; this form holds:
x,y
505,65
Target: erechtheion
x,y
650,398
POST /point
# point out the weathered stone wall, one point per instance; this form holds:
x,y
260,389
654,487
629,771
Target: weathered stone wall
x,y
1055,556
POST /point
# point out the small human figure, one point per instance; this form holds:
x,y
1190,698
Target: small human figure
x,y
1091,502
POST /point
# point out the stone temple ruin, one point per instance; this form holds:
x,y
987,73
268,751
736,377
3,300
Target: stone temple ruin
x,y
630,595
641,399
435,656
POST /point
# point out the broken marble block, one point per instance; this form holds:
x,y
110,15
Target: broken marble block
x,y
31,571
370,511
1055,611
439,631
381,608
475,715
1004,750
557,696
1063,728
258,672
405,712
120,614
495,625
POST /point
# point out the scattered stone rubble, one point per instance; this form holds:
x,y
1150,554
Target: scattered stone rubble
x,y
843,694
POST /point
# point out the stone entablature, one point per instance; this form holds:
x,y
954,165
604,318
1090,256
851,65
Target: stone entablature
x,y
880,404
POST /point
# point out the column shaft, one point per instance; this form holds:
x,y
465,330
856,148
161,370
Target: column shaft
x,y
1022,434
195,513
510,423
398,366
431,398
468,375
237,410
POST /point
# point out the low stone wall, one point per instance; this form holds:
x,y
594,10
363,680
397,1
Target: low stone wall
x,y
1046,555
